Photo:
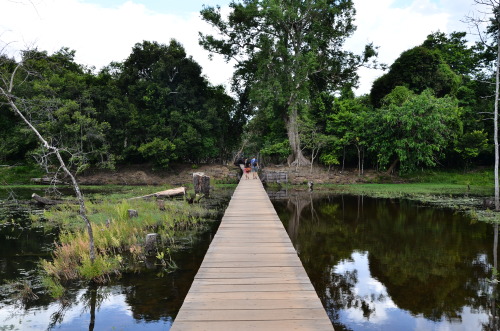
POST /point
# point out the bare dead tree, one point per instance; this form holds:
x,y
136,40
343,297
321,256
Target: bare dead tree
x,y
6,92
489,13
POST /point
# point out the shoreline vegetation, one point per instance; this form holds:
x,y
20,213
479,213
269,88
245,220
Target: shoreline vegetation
x,y
461,191
120,236
120,239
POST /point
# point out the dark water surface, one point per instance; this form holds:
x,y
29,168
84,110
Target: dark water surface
x,y
148,300
380,264
376,265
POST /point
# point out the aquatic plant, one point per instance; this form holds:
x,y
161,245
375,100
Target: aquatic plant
x,y
116,234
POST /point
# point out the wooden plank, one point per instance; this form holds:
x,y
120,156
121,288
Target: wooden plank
x,y
251,249
251,277
222,288
251,264
252,257
305,325
252,280
248,304
252,314
264,295
221,274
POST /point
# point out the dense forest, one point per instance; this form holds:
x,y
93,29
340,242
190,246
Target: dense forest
x,y
291,101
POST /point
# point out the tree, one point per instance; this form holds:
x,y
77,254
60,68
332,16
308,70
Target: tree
x,y
414,129
161,88
455,51
8,81
281,48
313,139
493,48
471,144
418,69
349,123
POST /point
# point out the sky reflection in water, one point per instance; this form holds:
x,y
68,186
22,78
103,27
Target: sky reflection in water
x,y
394,265
113,313
385,315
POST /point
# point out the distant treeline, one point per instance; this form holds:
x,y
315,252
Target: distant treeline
x,y
432,107
155,107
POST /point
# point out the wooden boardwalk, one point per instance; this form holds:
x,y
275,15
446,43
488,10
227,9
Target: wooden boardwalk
x,y
251,277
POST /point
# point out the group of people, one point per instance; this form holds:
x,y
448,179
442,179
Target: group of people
x,y
249,165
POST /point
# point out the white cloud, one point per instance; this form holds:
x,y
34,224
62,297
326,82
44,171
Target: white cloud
x,y
396,29
102,35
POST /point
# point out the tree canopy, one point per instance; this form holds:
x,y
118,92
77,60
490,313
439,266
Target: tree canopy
x,y
285,51
294,101
154,107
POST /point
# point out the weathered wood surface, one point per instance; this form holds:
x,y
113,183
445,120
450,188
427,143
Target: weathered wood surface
x,y
50,202
164,194
251,277
201,183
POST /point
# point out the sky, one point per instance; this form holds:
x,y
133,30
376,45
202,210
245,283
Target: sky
x,y
102,31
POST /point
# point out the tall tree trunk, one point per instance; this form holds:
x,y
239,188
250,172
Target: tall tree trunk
x,y
495,116
359,160
343,158
292,128
362,160
393,166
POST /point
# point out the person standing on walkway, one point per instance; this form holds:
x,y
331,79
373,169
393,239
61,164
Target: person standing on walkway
x,y
255,167
247,168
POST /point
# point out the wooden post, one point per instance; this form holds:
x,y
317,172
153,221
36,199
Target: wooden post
x,y
151,245
201,183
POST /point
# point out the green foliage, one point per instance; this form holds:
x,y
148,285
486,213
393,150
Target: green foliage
x,y
52,91
349,123
277,151
289,51
159,150
99,119
471,144
455,51
100,269
115,234
19,174
415,129
167,93
329,159
418,69
54,287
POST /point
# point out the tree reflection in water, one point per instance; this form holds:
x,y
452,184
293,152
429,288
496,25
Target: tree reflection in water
x,y
394,265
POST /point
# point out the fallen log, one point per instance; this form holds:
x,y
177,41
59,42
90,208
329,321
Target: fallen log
x,y
164,194
45,201
47,181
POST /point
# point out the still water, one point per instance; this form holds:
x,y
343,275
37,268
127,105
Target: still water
x,y
148,300
376,265
380,264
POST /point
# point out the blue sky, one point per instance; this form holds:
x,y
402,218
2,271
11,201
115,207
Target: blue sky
x,y
182,7
102,31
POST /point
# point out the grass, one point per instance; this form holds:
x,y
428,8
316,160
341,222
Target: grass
x,y
19,175
119,239
482,177
474,183
413,189
451,189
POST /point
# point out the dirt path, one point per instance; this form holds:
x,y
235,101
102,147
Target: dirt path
x,y
181,174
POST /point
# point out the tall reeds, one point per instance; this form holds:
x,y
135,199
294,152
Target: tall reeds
x,y
119,238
